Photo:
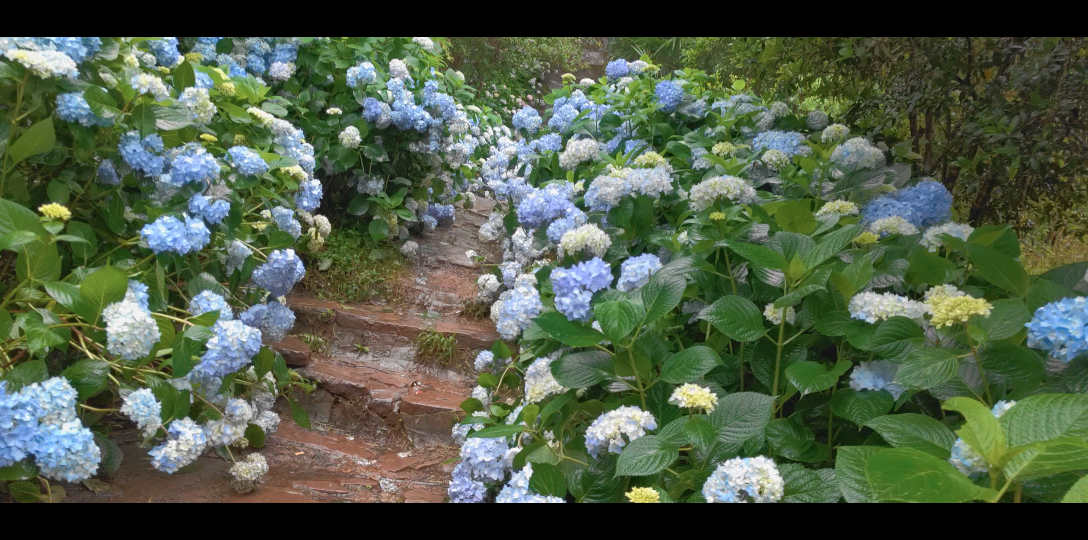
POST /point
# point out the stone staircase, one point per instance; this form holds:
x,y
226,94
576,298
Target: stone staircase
x,y
380,420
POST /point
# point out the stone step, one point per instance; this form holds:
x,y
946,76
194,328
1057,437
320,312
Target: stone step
x,y
310,316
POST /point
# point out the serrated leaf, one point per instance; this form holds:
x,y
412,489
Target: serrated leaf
x,y
911,475
917,431
689,364
811,377
645,456
736,317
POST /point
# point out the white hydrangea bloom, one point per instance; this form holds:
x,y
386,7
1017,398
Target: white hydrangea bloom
x,y
931,240
539,382
775,315
872,307
611,431
893,225
705,193
838,208
577,151
398,69
588,237
741,480
246,475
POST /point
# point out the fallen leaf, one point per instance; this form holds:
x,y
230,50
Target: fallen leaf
x,y
96,485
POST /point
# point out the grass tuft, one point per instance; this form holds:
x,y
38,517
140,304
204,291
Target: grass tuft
x,y
353,268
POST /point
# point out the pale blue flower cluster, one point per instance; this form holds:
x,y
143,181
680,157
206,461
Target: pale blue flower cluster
x,y
78,49
790,143
40,421
636,271
528,119
209,301
212,211
206,47
130,330
273,319
107,173
464,490
552,142
142,155
562,117
486,460
926,204
544,205
280,272
517,312
144,410
232,346
308,197
740,480
185,442
138,292
247,161
363,73
572,219
877,375
574,287
285,220
73,107
517,490
169,235
193,164
616,69
442,213
237,253
232,426
165,51
669,95
1060,329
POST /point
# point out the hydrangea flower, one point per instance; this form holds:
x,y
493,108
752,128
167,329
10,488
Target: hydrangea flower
x,y
130,330
350,137
693,396
834,132
45,64
588,238
285,220
740,480
893,225
616,69
876,375
775,315
517,312
185,442
539,382
613,430
528,119
280,272
232,346
838,208
73,107
857,153
789,143
165,51
208,301
212,211
1060,329
363,73
966,459
66,451
201,108
932,237
517,489
107,173
144,410
232,426
464,490
246,475
484,361
273,319
247,161
606,192
143,155
636,271
308,197
872,307
486,460
578,151
947,309
237,253
668,94
706,193
816,120
574,287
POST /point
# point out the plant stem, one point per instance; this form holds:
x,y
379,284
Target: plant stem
x,y
778,355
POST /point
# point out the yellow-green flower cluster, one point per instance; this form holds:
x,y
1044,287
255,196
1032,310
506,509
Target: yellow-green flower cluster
x,y
227,89
194,57
693,396
717,216
208,137
649,160
643,495
866,238
725,149
947,310
55,211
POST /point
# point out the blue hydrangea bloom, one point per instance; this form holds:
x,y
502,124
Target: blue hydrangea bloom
x,y
165,51
212,211
669,94
18,428
193,164
1060,329
232,346
247,161
923,205
308,197
636,271
138,292
166,235
485,459
443,213
463,489
562,117
144,410
528,119
73,107
285,53
203,80
574,287
208,301
790,143
280,272
363,73
616,69
66,451
273,319
107,173
142,155
552,142
573,219
255,64
877,375
542,206
196,233
285,220
186,441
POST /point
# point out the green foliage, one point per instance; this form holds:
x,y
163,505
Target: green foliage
x,y
354,268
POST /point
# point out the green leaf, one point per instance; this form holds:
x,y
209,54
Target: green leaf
x,y
789,439
853,278
38,262
850,464
618,318
16,217
736,317
1014,362
1048,416
928,367
699,432
739,417
918,431
21,470
1007,318
1078,493
831,245
25,492
569,332
999,269
16,239
100,102
38,139
860,406
379,229
928,268
255,436
910,475
797,295
661,295
172,117
184,77
88,377
811,377
582,369
758,255
645,456
497,431
982,432
1048,458
102,288
796,216
65,294
299,414
548,480
808,486
689,364
143,119
26,373
896,338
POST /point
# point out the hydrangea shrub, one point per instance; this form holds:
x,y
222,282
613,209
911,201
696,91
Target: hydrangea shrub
x,y
705,297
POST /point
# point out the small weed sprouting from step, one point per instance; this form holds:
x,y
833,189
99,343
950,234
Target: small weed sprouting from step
x,y
317,343
327,316
353,268
359,347
434,348
475,310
